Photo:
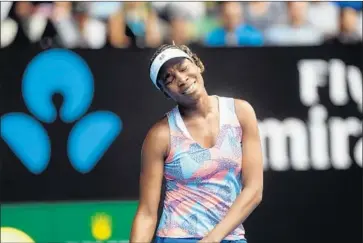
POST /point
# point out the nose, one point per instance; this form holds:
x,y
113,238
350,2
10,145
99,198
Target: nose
x,y
181,78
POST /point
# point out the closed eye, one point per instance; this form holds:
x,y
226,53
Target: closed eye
x,y
168,79
183,69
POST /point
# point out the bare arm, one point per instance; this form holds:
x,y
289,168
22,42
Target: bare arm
x,y
153,36
116,30
252,174
154,150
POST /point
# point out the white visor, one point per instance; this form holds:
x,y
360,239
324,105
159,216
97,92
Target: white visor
x,y
162,58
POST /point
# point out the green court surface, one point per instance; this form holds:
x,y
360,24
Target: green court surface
x,y
104,221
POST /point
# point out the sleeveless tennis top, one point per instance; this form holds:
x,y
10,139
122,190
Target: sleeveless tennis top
x,y
201,183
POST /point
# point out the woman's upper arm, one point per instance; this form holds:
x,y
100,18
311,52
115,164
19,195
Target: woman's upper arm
x,y
152,168
252,158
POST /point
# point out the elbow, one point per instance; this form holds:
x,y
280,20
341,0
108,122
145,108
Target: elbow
x,y
258,196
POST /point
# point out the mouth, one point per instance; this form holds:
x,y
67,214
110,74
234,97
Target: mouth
x,y
190,89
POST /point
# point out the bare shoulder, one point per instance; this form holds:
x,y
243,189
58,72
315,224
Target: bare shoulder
x,y
245,112
157,138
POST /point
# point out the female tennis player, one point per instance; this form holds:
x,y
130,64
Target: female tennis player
x,y
208,148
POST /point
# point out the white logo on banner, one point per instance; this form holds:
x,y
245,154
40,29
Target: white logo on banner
x,y
323,141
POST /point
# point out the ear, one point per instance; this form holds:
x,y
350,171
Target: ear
x,y
198,68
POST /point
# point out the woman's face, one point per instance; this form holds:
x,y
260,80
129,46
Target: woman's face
x,y
181,80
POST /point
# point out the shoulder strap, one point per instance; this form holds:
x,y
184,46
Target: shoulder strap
x,y
227,111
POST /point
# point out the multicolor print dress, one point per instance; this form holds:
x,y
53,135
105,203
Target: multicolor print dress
x,y
201,183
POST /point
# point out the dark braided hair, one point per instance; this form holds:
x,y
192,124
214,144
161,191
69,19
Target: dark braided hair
x,y
185,49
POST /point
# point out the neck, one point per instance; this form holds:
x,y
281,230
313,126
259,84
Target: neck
x,y
201,107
